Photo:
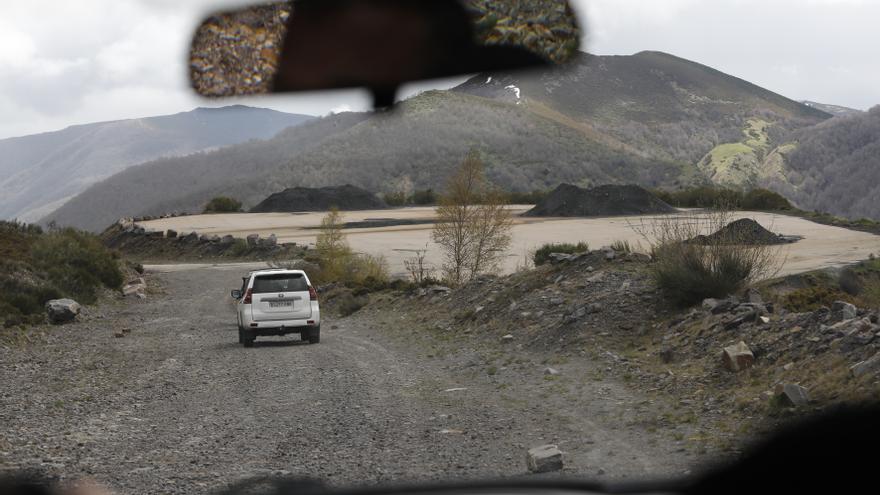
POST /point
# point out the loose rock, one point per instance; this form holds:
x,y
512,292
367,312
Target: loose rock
x,y
870,365
738,357
544,459
792,394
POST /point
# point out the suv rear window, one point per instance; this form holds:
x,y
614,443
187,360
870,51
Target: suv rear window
x,y
282,282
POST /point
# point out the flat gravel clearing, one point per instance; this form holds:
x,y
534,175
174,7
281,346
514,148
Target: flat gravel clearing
x,y
177,406
823,246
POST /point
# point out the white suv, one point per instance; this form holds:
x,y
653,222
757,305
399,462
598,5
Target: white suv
x,y
277,302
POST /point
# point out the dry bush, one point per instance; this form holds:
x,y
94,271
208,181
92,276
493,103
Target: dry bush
x,y
688,272
420,270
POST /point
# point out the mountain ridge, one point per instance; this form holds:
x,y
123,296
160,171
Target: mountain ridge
x,y
42,171
650,119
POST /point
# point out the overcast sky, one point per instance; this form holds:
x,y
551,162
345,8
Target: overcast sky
x,y
75,62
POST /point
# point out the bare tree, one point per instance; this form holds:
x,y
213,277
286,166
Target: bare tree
x,y
490,230
473,225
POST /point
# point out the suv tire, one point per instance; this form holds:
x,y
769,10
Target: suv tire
x,y
315,335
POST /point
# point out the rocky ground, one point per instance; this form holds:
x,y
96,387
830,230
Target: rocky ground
x,y
599,316
137,242
155,395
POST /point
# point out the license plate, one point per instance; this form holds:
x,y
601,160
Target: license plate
x,y
281,304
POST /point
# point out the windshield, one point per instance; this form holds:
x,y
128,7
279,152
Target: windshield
x,y
645,242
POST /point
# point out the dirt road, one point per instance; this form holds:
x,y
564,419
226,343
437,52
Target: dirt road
x,y
177,406
823,246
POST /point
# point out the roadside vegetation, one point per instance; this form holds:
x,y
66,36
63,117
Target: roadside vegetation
x,y
334,262
542,254
38,265
857,284
717,266
223,204
473,226
712,197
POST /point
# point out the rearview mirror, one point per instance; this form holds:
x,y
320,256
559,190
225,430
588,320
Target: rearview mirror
x,y
236,294
306,45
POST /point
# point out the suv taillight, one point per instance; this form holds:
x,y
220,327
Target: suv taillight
x,y
247,297
313,294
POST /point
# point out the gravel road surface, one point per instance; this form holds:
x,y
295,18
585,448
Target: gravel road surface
x,y
177,406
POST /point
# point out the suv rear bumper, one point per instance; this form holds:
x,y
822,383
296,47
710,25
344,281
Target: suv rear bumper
x,y
284,327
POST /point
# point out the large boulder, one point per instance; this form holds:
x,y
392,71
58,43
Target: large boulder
x,y
62,311
253,240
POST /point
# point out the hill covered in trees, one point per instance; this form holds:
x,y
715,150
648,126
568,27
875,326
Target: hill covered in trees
x,y
650,119
835,167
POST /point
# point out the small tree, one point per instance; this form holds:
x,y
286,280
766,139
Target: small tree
x,y
332,247
473,226
223,204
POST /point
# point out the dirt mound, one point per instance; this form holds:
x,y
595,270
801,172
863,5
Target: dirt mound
x,y
346,198
744,231
572,201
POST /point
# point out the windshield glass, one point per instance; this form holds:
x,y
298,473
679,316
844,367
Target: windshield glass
x,y
629,242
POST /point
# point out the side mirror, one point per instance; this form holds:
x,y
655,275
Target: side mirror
x,y
236,294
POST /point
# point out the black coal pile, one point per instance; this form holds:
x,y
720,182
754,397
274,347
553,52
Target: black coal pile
x,y
572,201
346,198
745,231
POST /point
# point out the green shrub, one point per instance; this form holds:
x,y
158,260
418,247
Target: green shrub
x,y
239,247
77,263
542,255
718,197
223,204
688,272
397,198
762,199
60,263
813,298
424,197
